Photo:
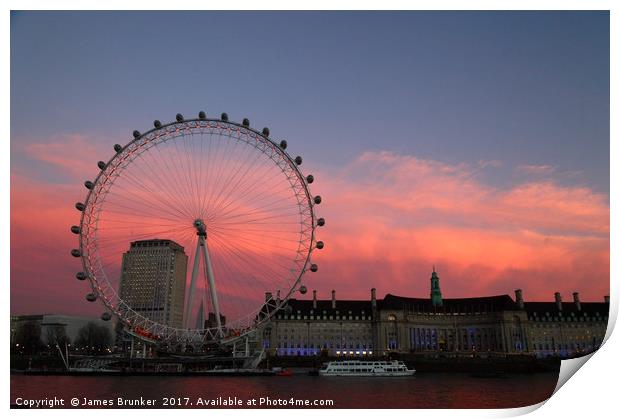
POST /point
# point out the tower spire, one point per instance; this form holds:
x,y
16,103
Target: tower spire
x,y
436,299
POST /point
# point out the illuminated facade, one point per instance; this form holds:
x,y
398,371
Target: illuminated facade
x,y
307,327
496,324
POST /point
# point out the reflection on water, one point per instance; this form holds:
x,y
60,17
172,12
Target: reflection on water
x,y
425,390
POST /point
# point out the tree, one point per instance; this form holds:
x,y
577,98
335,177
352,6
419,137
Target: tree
x,y
93,338
56,335
28,337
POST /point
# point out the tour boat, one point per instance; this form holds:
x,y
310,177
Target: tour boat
x,y
366,369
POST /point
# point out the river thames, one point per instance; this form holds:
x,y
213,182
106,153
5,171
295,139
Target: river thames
x,y
424,390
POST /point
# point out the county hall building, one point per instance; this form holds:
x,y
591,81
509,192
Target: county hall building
x,y
498,324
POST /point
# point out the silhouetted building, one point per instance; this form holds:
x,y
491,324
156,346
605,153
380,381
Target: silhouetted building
x,y
153,277
212,323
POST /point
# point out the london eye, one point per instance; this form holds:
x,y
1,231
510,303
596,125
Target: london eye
x,y
235,202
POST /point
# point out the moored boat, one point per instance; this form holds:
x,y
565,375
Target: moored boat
x,y
366,369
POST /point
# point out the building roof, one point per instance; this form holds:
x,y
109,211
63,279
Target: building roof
x,y
305,307
471,305
450,305
157,242
568,308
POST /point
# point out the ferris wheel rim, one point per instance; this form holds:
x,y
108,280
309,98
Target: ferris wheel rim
x,y
192,335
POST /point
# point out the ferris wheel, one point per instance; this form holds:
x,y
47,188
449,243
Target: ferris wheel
x,y
237,210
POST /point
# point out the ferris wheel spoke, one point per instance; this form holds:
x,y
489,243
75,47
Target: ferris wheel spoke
x,y
177,158
214,167
148,202
162,185
134,237
206,177
192,170
253,199
260,178
137,182
232,183
286,210
279,234
175,183
254,220
135,211
223,163
248,246
270,243
255,259
264,234
246,275
134,223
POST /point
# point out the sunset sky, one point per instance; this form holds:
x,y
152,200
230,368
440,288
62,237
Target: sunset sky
x,y
477,143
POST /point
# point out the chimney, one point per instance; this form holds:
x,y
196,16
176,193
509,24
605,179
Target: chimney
x,y
373,297
519,298
268,296
333,299
278,299
606,298
576,300
558,300
314,299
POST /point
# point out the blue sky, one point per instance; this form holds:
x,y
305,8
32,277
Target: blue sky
x,y
474,141
516,87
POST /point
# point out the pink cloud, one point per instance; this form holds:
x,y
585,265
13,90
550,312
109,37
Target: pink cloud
x,y
390,218
73,154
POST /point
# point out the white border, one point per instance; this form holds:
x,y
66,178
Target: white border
x,y
593,393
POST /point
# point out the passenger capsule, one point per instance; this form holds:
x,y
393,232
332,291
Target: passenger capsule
x,y
118,148
314,267
303,289
76,253
283,144
80,206
179,117
224,117
81,276
320,222
89,184
157,123
298,160
136,134
266,132
317,199
310,179
75,229
91,297
106,316
246,122
202,115
101,165
320,245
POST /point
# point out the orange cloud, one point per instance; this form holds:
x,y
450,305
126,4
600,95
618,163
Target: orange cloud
x,y
391,218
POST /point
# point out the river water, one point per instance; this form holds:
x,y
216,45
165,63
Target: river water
x,y
424,390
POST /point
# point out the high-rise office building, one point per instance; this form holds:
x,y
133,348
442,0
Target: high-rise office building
x,y
153,280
